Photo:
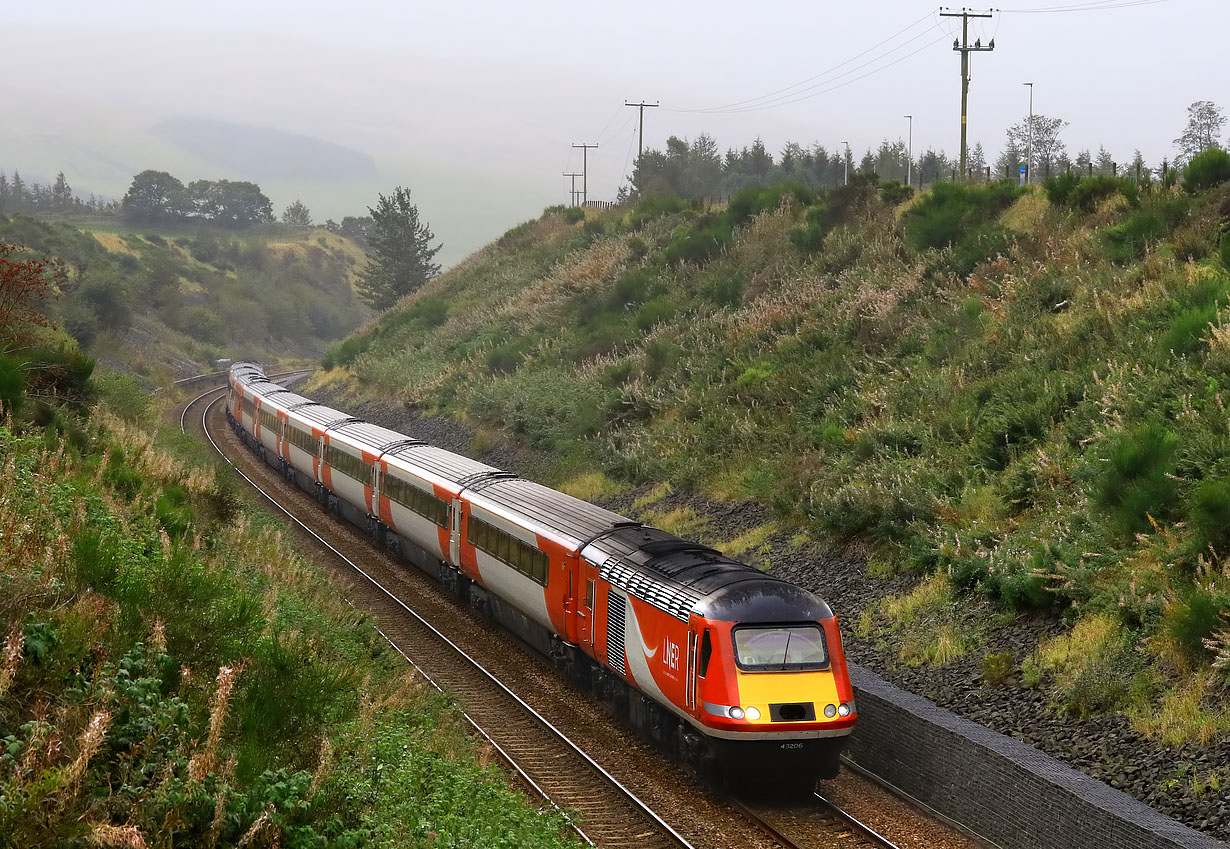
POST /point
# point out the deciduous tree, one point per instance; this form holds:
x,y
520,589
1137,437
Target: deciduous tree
x,y
1205,120
401,251
155,196
25,287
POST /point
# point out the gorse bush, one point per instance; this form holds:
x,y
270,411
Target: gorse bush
x,y
1206,170
951,212
1085,193
1137,484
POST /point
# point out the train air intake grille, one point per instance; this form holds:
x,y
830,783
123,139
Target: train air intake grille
x,y
615,632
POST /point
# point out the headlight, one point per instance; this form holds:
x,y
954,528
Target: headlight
x,y
830,711
843,709
736,712
753,714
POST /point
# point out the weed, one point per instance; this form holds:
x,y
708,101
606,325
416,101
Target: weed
x,y
997,668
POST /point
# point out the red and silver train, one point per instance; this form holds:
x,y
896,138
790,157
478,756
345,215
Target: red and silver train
x,y
730,669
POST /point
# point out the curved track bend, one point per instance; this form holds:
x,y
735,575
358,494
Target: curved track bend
x,y
546,758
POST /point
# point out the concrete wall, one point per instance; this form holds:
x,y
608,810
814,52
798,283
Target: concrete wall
x,y
1007,792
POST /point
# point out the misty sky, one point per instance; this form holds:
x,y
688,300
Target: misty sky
x,y
474,105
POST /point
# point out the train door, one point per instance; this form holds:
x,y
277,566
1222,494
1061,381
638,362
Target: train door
x,y
586,600
454,536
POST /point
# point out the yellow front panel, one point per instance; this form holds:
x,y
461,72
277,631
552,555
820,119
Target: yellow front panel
x,y
760,689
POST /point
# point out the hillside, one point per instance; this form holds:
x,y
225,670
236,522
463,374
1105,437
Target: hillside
x,y
999,413
164,304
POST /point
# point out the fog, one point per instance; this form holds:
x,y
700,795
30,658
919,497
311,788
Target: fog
x,y
474,106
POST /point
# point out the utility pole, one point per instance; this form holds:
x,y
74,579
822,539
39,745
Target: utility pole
x,y
909,154
573,193
847,144
965,49
1029,157
585,171
640,143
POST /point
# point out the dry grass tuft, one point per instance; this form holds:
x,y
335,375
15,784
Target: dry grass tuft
x,y
12,659
202,763
129,836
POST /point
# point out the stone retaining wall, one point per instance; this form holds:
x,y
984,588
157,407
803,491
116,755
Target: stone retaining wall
x,y
1006,792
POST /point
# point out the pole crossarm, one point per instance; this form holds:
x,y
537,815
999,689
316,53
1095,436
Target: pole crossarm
x,y
640,143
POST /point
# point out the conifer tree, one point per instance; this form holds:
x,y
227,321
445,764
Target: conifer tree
x,y
401,253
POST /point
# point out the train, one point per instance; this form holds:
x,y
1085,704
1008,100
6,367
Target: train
x,y
738,674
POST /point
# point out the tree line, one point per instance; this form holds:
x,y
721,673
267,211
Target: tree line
x,y
698,170
16,195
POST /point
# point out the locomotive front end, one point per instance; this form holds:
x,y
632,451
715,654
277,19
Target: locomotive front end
x,y
775,695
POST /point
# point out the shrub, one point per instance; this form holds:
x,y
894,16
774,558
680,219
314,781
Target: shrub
x,y
507,357
1208,512
653,207
655,311
173,510
754,200
1136,482
573,214
1224,249
1206,170
203,324
1192,617
1188,329
1143,228
997,668
699,243
12,386
121,477
123,395
1085,193
952,211
892,192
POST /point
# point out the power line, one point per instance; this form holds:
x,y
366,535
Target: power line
x,y
1091,6
815,94
573,193
813,78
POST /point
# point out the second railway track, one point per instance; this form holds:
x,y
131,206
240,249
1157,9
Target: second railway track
x,y
622,792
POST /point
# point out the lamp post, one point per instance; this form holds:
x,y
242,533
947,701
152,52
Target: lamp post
x,y
1029,157
909,154
847,144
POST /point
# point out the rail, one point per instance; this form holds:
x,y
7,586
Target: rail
x,y
478,667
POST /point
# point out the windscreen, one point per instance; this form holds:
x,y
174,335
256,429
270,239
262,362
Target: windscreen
x,y
780,647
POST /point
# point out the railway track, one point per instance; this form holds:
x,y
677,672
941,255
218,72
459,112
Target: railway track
x,y
546,758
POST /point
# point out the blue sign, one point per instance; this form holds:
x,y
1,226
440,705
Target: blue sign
x,y
1022,182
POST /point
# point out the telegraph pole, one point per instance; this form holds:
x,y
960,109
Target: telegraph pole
x,y
1029,157
573,193
847,144
640,143
585,148
909,154
965,49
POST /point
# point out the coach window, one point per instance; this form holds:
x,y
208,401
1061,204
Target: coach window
x,y
706,651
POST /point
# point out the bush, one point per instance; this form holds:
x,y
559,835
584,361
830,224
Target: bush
x,y
699,243
573,214
1143,228
1085,193
655,311
1188,329
997,668
1206,170
1208,513
1136,482
123,395
12,386
508,356
1193,617
653,207
754,200
952,211
892,192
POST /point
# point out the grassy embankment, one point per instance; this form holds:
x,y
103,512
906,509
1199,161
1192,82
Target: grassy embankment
x,y
173,674
1021,393
163,304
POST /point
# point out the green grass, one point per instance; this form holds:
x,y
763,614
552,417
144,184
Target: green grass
x,y
171,671
1038,415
